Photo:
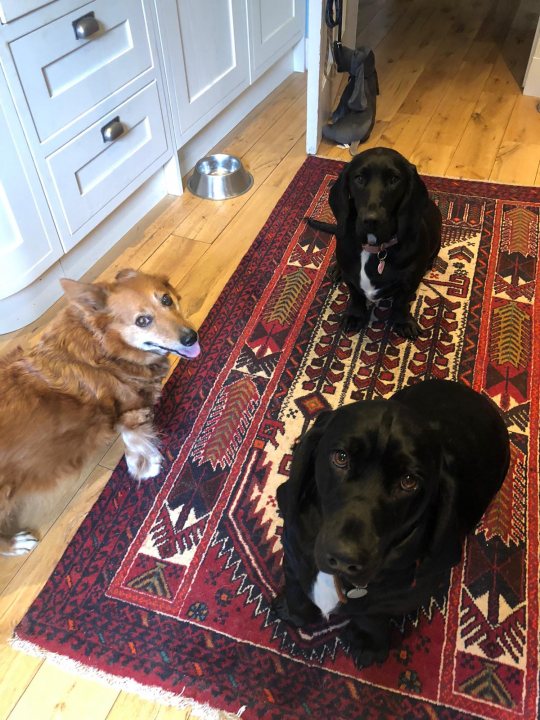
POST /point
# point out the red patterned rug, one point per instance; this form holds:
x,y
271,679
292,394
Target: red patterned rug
x,y
169,583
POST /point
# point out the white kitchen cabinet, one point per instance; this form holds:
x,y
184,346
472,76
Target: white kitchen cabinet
x,y
29,243
86,142
67,85
206,58
275,26
214,51
96,97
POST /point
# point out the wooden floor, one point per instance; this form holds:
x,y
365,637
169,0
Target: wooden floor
x,y
449,101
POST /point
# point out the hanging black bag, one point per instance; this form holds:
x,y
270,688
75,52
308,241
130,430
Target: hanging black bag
x,y
354,117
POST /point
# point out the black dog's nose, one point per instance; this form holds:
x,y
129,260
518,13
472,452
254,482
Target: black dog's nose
x,y
345,564
188,338
371,220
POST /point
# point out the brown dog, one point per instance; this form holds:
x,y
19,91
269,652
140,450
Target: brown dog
x,y
96,371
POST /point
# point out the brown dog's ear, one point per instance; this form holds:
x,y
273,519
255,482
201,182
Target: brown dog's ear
x,y
126,274
339,200
88,295
301,483
412,206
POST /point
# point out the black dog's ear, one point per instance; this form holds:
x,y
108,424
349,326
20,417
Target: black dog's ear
x,y
339,200
412,206
445,537
293,493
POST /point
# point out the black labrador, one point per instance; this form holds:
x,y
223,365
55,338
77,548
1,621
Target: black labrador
x,y
388,235
380,497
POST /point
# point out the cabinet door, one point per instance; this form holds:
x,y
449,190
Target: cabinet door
x,y
29,243
275,26
206,56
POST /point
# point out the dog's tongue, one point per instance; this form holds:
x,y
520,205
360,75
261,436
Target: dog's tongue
x,y
190,351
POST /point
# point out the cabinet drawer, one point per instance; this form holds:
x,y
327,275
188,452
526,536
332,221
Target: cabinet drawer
x,y
11,9
90,173
63,76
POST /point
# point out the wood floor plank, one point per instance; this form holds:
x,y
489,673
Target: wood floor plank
x,y
501,81
404,132
432,158
211,273
212,217
131,706
524,124
257,124
476,152
174,258
516,163
17,671
79,699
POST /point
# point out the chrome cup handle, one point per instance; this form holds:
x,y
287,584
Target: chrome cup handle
x,y
85,26
112,130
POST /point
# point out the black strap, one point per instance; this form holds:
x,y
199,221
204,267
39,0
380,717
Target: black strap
x,y
334,14
333,17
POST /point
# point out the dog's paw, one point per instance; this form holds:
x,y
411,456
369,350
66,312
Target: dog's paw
x,y
144,467
364,657
408,328
132,419
21,544
280,606
364,651
355,323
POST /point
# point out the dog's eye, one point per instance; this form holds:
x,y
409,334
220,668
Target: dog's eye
x,y
408,483
360,180
143,320
166,300
340,458
393,179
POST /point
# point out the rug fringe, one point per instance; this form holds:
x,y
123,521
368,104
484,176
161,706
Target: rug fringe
x,y
147,692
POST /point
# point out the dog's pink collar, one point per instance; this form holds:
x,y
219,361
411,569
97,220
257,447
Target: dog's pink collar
x,y
381,251
379,248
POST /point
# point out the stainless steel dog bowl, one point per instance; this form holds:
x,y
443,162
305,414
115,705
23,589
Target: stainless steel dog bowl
x,y
218,177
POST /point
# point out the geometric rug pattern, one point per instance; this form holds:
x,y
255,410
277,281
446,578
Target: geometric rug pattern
x,y
169,582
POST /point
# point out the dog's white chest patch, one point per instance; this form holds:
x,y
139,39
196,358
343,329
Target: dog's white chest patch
x,y
324,594
369,290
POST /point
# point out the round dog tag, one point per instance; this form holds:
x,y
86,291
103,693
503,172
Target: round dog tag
x,y
356,592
